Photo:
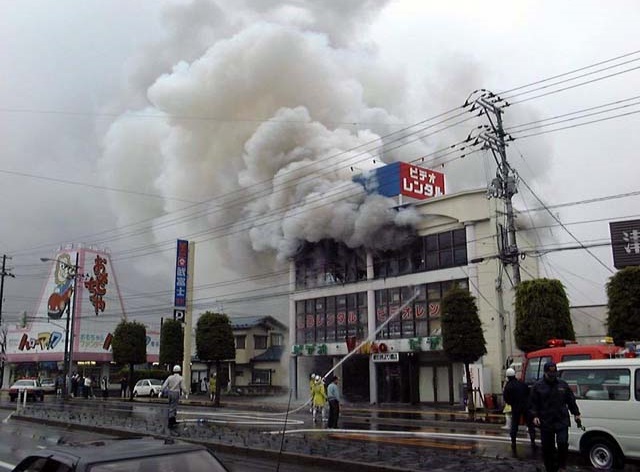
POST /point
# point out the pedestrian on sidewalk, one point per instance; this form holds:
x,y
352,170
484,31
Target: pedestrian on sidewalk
x,y
104,386
203,385
86,391
74,384
333,395
59,384
516,394
551,401
174,386
123,387
212,387
319,399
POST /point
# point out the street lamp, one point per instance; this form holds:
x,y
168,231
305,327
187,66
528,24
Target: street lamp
x,y
71,310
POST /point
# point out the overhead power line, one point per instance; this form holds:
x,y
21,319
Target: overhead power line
x,y
565,74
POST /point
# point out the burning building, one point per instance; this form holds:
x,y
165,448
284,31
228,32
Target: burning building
x,y
374,314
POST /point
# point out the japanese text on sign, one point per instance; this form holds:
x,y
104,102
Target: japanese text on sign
x,y
182,256
97,284
420,183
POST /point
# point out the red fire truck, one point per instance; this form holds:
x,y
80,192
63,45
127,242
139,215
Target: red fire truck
x,y
561,350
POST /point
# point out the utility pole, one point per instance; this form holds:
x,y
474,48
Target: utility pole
x,y
505,185
3,274
3,347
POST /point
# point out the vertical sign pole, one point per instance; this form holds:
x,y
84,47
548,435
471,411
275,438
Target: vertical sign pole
x,y
188,318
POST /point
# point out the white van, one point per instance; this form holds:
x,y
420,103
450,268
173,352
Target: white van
x,y
608,395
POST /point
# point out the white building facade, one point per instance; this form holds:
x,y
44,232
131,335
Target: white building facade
x,y
388,304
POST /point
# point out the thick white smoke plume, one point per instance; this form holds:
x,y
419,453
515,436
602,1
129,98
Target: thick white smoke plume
x,y
265,111
260,125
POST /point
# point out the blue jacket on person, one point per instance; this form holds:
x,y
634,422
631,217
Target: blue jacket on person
x,y
550,401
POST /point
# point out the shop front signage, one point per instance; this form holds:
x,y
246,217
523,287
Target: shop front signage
x,y
432,343
309,349
385,357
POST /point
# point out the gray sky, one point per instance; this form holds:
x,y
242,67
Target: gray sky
x,y
117,118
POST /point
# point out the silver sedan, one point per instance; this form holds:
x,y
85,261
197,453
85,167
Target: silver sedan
x,y
147,388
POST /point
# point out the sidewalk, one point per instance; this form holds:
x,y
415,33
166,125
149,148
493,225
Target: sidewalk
x,y
433,412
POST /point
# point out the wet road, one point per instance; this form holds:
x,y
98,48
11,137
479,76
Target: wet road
x,y
432,429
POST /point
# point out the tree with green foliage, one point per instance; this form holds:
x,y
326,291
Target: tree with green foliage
x,y
462,336
214,343
542,313
129,346
171,343
623,294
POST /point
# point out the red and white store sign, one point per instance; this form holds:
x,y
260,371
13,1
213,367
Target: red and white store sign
x,y
420,183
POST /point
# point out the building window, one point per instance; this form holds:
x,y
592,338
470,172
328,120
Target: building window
x,y
277,339
261,377
241,342
330,319
259,342
328,262
432,252
420,317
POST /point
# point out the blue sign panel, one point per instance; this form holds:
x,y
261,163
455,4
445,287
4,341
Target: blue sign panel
x,y
182,258
383,180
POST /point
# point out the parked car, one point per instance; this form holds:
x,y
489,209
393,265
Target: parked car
x,y
32,386
48,385
123,455
147,388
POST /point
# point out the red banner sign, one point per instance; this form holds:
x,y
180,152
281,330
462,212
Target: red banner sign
x,y
420,183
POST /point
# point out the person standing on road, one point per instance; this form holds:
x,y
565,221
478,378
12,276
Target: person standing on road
x,y
319,399
333,395
551,401
174,386
312,381
516,394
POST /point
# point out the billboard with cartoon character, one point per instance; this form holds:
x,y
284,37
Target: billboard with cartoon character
x,y
82,286
64,275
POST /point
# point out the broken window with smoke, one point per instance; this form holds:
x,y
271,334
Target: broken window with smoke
x,y
329,263
431,252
